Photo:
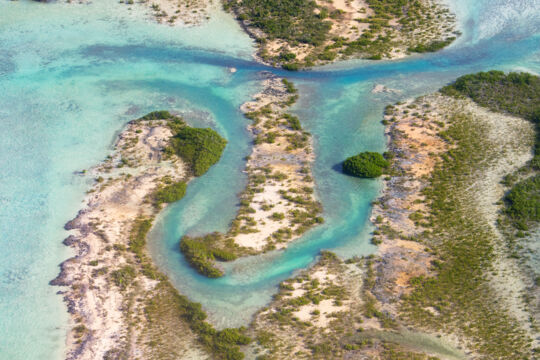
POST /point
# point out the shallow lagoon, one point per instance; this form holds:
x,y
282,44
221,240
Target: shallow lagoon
x,y
71,75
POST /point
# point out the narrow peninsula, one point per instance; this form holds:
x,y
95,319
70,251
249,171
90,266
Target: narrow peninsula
x,y
121,306
279,203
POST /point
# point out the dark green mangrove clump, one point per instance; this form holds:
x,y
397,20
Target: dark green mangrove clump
x,y
291,20
170,193
516,94
365,165
524,201
157,115
201,254
512,93
199,148
433,46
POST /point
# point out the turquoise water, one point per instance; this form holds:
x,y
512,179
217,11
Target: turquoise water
x,y
71,75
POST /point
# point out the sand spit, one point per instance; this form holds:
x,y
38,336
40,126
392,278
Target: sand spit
x,y
99,300
279,204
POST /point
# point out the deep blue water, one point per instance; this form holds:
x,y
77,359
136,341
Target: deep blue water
x,y
72,75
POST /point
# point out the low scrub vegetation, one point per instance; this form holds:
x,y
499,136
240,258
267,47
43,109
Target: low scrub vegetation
x,y
201,253
432,46
307,24
515,94
292,20
170,193
524,202
463,242
124,276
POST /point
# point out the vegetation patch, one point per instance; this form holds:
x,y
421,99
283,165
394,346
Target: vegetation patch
x,y
202,252
515,94
295,34
524,201
166,306
290,20
365,165
124,276
170,193
199,148
432,46
158,115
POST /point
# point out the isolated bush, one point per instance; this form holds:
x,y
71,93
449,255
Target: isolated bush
x,y
366,165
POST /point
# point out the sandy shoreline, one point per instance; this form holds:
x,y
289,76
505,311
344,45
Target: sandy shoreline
x,y
279,166
102,280
96,278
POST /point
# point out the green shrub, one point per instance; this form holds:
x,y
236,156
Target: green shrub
x,y
137,238
170,193
199,148
278,216
432,46
123,276
291,66
524,200
202,252
366,165
199,257
157,115
293,122
289,86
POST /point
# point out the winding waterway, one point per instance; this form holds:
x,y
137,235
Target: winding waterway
x,y
71,75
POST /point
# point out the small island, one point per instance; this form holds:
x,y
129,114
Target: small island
x,y
366,165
